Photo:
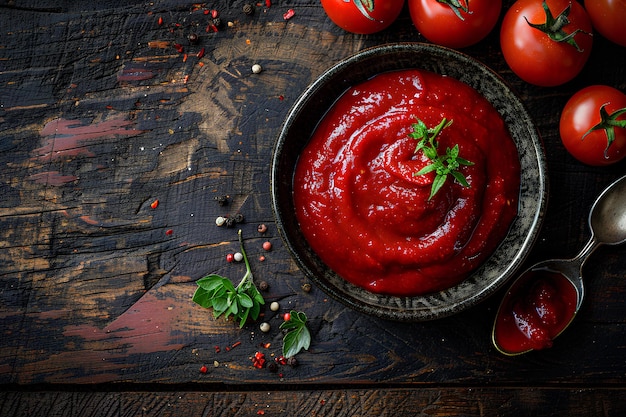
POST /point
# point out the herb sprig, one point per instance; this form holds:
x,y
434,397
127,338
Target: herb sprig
x,y
242,302
298,336
444,164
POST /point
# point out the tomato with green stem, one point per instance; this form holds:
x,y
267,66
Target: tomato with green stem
x,y
546,43
455,23
363,16
608,18
593,125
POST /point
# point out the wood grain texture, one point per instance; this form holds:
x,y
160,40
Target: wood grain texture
x,y
100,116
445,402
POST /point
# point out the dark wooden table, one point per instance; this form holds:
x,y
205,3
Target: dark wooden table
x,y
101,116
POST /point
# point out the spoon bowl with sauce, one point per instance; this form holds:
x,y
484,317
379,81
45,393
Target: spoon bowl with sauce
x,y
544,300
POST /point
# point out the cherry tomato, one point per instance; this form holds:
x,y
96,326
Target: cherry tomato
x,y
528,34
363,16
609,18
455,23
587,141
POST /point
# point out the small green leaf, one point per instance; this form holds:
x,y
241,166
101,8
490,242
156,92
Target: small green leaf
x,y
244,300
202,297
442,165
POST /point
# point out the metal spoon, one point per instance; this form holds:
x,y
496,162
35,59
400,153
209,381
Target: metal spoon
x,y
607,221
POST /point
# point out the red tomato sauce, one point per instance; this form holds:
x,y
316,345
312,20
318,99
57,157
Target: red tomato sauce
x,y
366,214
534,312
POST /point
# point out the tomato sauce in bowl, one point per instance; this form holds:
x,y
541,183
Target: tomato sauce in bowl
x,y
366,213
378,201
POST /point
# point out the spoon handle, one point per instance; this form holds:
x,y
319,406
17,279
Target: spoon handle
x,y
580,259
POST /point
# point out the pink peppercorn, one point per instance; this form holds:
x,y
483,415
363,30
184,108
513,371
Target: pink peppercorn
x,y
267,246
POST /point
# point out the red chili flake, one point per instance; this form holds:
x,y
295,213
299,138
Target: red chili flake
x,y
201,64
281,97
289,14
268,3
169,232
261,258
217,349
258,360
261,412
185,58
227,348
266,345
211,27
323,402
185,79
160,21
206,12
203,369
200,53
214,14
235,344
155,204
281,360
179,48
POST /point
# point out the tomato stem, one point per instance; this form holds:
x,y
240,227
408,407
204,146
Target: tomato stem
x,y
553,26
455,5
608,123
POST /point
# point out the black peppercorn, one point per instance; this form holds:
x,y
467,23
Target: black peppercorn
x,y
248,9
193,38
272,367
230,222
292,361
222,200
263,285
239,218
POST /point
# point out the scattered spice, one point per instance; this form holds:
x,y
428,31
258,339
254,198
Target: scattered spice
x,y
230,257
185,58
274,306
222,200
262,228
200,53
238,257
193,38
160,21
179,48
264,327
268,3
263,285
219,221
169,232
267,246
234,345
203,369
306,287
214,14
217,349
155,204
258,360
289,14
248,9
261,258
256,68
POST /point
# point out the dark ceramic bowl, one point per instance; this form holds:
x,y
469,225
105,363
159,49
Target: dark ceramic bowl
x,y
320,96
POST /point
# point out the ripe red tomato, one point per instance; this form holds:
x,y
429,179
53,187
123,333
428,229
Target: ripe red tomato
x,y
363,16
582,113
532,54
609,18
455,27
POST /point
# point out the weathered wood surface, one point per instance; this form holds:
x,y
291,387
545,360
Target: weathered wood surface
x,y
100,116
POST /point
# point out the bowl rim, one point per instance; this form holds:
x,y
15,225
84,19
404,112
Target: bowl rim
x,y
435,305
